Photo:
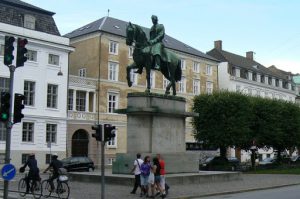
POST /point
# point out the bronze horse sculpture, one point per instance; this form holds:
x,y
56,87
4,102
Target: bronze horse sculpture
x,y
142,58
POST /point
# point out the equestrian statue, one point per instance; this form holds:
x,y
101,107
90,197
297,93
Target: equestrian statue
x,y
152,54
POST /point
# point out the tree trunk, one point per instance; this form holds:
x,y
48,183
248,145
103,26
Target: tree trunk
x,y
223,151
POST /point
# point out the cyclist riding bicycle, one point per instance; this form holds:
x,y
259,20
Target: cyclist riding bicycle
x,y
55,165
33,170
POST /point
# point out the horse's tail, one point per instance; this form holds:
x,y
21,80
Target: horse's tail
x,y
178,71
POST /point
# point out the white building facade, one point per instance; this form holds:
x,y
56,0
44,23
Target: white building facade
x,y
44,81
242,74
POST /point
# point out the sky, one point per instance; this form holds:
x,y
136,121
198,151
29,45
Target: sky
x,y
270,28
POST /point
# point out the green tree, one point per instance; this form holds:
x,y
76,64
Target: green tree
x,y
224,120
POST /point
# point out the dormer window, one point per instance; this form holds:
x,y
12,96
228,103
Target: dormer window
x,y
29,22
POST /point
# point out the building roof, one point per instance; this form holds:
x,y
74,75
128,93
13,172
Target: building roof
x,y
25,5
243,62
118,27
13,11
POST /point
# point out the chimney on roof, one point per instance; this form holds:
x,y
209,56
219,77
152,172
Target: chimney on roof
x,y
249,55
218,44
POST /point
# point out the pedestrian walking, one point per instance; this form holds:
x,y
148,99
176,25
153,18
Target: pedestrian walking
x,y
145,172
163,183
136,170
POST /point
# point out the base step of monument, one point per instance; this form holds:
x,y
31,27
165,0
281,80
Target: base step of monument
x,y
173,179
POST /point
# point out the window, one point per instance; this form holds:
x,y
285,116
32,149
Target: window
x,y
70,99
80,100
113,141
208,70
2,132
130,51
196,86
133,77
232,71
82,72
113,71
209,87
110,161
183,67
29,21
152,79
254,77
1,50
29,93
277,82
270,80
48,158
53,59
244,74
24,157
51,131
196,67
182,85
262,79
165,82
28,131
285,84
52,96
112,102
31,55
113,47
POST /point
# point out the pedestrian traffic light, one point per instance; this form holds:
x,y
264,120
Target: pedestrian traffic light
x,y
5,105
109,132
8,50
98,132
21,52
18,107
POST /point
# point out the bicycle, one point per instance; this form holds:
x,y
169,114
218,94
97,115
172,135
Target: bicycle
x,y
62,187
35,187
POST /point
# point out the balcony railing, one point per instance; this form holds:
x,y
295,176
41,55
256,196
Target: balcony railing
x,y
82,81
78,115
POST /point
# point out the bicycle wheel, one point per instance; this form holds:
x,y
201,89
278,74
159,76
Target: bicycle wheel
x,y
36,190
46,189
22,187
63,190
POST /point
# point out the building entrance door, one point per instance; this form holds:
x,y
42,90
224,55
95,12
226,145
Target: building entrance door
x,y
80,143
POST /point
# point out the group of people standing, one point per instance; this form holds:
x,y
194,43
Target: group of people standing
x,y
150,177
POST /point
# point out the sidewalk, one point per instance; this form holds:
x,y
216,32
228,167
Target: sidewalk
x,y
248,182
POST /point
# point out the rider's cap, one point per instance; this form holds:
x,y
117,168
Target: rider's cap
x,y
31,154
54,154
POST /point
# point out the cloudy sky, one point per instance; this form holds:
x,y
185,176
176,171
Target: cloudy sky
x,y
270,28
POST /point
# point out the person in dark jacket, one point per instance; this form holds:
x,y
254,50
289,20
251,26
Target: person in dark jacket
x,y
33,170
55,165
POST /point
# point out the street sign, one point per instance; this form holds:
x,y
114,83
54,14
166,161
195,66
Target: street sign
x,y
8,172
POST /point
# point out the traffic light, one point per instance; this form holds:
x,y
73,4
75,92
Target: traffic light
x,y
21,52
109,132
18,107
98,134
8,50
5,105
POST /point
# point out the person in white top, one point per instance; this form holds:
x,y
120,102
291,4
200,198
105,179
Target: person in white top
x,y
136,170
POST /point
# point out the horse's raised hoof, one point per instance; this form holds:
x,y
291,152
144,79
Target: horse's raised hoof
x,y
167,93
129,84
147,90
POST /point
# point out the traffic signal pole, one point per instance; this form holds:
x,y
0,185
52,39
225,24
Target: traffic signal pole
x,y
102,165
8,128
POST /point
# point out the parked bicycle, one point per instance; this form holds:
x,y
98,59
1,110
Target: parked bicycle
x,y
62,187
35,187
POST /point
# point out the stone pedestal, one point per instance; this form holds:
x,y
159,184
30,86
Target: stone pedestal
x,y
156,124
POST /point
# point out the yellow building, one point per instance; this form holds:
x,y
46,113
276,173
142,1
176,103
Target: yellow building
x,y
98,85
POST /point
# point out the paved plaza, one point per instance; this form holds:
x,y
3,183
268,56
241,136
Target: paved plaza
x,y
246,183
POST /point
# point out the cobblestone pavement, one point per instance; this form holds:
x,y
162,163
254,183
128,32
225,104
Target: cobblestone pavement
x,y
81,190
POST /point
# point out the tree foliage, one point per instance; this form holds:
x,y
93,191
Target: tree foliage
x,y
234,119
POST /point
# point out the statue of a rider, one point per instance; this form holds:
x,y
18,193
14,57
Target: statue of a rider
x,y
157,51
